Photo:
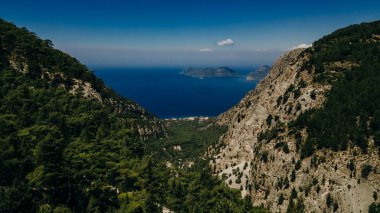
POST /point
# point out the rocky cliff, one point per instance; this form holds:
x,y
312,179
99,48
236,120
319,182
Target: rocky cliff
x,y
262,151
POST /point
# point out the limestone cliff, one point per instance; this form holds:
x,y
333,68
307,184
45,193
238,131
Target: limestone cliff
x,y
259,153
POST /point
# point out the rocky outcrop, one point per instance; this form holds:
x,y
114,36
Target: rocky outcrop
x,y
258,153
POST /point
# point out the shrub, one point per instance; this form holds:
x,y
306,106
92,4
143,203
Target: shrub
x,y
285,148
336,206
285,98
302,84
366,169
296,93
269,120
238,180
313,95
279,144
264,157
279,100
293,194
298,107
351,165
329,200
298,165
293,176
280,200
245,166
374,208
286,183
318,189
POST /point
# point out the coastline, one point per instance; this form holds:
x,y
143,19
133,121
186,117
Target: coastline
x,y
189,118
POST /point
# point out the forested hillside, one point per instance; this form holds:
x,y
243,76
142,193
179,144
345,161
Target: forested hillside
x,y
70,144
25,53
351,115
64,145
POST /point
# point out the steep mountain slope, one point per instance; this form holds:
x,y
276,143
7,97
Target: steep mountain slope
x,y
67,142
188,185
307,138
23,52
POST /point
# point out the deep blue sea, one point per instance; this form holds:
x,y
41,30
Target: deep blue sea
x,y
167,94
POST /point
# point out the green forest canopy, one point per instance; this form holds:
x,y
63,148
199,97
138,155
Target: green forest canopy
x,y
61,152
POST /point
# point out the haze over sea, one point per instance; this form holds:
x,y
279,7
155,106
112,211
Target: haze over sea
x,y
168,94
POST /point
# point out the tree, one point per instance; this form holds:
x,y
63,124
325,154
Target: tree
x,y
269,120
374,208
16,198
103,197
329,200
298,165
285,148
376,120
293,176
280,199
307,149
49,151
293,194
295,206
152,183
247,204
336,206
366,169
286,183
150,204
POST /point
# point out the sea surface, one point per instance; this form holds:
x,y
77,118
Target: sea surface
x,y
168,94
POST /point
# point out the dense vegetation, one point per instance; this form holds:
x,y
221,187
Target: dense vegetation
x,y
349,59
36,58
60,152
193,137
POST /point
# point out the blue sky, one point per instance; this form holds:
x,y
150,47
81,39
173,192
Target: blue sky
x,y
183,33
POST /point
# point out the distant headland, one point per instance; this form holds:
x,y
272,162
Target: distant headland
x,y
210,72
258,73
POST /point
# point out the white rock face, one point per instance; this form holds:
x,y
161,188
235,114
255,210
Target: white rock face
x,y
279,99
166,210
86,89
177,148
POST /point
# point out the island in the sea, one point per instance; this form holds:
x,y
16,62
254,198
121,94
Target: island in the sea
x,y
210,72
259,73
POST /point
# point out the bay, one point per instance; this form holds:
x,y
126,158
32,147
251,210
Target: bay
x,y
168,94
